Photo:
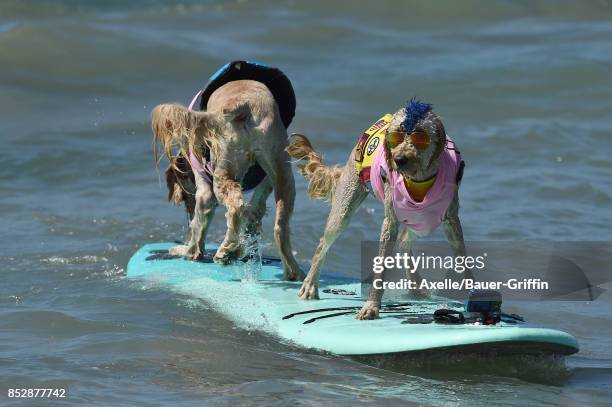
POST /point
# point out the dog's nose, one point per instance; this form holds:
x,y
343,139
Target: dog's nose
x,y
401,161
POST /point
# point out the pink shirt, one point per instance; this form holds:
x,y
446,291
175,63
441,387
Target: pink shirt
x,y
422,217
203,168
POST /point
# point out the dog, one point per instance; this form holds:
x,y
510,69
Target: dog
x,y
240,129
410,164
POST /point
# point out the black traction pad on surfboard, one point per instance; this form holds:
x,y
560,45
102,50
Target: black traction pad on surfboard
x,y
207,257
419,319
338,291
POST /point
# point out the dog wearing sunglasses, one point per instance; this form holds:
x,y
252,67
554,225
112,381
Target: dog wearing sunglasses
x,y
410,164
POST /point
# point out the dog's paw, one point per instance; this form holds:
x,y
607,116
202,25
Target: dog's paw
x,y
309,291
294,273
226,255
187,251
180,250
370,310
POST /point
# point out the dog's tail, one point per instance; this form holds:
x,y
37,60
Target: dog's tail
x,y
322,178
174,128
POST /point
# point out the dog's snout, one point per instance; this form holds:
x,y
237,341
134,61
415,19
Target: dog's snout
x,y
401,161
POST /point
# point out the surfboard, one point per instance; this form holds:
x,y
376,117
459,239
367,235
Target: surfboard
x,y
254,296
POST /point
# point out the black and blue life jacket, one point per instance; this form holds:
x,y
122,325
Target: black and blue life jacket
x,y
274,79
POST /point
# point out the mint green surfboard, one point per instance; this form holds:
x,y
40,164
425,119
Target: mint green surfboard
x,y
256,298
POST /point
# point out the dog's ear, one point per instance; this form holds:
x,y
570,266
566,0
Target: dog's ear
x,y
184,167
387,151
441,140
167,124
175,192
179,180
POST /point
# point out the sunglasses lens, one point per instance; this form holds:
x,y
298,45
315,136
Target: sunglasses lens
x,y
420,140
394,139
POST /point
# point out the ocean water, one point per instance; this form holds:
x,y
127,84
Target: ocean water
x,y
524,88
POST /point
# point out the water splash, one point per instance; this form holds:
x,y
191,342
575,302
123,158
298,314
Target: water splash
x,y
250,271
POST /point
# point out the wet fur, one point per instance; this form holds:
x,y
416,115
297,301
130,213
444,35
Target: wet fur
x,y
346,191
322,179
181,185
240,127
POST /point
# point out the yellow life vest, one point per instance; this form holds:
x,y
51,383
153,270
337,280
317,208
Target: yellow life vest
x,y
369,142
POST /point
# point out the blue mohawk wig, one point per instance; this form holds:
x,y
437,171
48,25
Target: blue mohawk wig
x,y
415,110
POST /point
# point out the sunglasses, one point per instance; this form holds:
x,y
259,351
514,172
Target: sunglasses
x,y
419,139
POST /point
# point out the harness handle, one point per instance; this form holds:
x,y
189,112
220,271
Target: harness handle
x,y
195,98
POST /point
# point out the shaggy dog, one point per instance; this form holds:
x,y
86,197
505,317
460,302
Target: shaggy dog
x,y
415,171
240,129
